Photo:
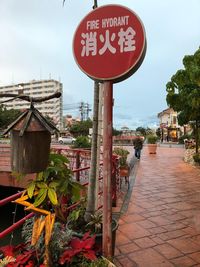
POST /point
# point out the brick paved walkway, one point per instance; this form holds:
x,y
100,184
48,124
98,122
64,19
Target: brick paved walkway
x,y
161,227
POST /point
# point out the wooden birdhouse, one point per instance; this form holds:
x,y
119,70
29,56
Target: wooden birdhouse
x,y
30,142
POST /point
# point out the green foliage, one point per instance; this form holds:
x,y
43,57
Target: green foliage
x,y
123,153
7,116
116,132
61,236
183,137
196,158
82,142
183,91
158,132
152,139
55,181
81,128
95,223
77,221
144,131
100,262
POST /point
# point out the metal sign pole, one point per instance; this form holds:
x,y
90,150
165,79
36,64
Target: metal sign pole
x,y
107,169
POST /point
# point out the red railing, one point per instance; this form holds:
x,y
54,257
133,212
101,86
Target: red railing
x,y
80,164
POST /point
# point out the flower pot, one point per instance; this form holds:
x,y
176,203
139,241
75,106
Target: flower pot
x,y
124,171
152,148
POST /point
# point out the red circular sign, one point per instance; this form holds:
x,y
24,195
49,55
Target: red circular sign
x,y
110,43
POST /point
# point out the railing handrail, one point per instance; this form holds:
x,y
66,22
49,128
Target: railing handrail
x,y
15,196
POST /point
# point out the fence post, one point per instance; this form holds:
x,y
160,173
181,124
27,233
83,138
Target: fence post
x,y
78,165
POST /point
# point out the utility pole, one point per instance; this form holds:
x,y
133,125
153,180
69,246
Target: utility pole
x,y
81,109
92,197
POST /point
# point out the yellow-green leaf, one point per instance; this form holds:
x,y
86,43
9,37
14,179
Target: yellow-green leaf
x,y
40,197
30,189
41,185
52,196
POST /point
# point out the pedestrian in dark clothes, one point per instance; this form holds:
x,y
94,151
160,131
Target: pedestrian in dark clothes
x,y
138,145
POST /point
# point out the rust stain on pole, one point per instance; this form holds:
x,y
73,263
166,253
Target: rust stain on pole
x,y
107,169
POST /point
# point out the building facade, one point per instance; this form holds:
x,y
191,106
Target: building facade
x,y
52,108
170,129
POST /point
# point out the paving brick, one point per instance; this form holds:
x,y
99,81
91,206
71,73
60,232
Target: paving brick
x,y
174,226
168,251
126,249
149,258
133,218
160,220
146,224
122,239
161,226
145,242
157,230
157,240
133,231
184,245
183,262
195,256
125,262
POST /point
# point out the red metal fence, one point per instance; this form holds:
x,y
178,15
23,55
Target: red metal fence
x,y
80,164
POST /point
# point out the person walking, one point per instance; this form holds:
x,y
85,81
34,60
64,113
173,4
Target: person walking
x,y
138,145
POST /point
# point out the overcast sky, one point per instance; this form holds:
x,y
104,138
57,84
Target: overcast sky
x,y
36,43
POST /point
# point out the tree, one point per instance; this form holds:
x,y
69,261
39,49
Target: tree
x,y
116,132
81,128
183,93
7,116
144,131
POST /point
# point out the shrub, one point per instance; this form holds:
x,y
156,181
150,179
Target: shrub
x,y
152,139
82,142
183,137
196,158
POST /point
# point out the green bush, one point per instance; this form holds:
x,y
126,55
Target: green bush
x,y
152,139
82,142
196,158
183,137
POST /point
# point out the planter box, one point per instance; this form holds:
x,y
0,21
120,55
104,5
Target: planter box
x,y
152,148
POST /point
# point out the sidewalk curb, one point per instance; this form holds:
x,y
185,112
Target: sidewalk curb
x,y
126,201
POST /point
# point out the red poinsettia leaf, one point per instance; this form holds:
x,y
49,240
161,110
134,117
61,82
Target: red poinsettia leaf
x,y
86,235
24,258
21,246
89,243
67,256
7,250
76,243
90,255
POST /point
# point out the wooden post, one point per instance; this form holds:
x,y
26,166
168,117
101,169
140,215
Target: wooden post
x,y
78,165
107,169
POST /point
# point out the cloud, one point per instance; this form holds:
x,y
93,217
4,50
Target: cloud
x,y
36,42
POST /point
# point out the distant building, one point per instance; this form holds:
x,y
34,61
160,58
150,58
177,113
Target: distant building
x,y
69,120
170,129
52,108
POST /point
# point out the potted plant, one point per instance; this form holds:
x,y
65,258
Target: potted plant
x,y
123,163
48,196
78,225
152,143
196,158
66,251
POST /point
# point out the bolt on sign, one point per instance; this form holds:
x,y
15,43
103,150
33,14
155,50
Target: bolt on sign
x,y
109,43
